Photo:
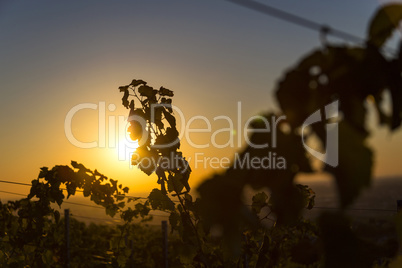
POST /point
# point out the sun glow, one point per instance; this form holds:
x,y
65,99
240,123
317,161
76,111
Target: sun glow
x,y
126,147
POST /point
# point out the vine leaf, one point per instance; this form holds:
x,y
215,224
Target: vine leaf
x,y
124,100
168,104
396,93
170,118
174,183
135,82
56,216
148,160
308,195
136,130
111,210
165,92
79,166
297,83
161,174
71,188
174,220
383,23
160,201
259,201
355,163
132,105
147,91
186,175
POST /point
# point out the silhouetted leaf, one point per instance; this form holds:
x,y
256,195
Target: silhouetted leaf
x,y
259,201
174,183
160,201
148,159
185,174
56,216
157,117
396,94
168,105
170,118
143,209
297,85
125,96
111,210
135,82
163,187
174,221
71,188
43,172
383,118
308,195
80,167
384,22
135,130
123,88
161,174
168,142
165,92
147,91
354,170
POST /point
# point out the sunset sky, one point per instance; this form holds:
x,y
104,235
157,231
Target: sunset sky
x,y
56,55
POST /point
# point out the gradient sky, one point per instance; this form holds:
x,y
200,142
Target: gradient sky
x,y
212,54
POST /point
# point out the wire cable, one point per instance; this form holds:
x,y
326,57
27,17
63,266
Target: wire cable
x,y
301,21
329,208
81,191
64,202
1,191
17,183
295,19
358,209
84,205
99,207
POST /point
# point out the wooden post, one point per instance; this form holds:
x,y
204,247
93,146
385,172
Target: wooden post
x,y
165,243
67,224
129,244
132,253
399,211
245,256
398,205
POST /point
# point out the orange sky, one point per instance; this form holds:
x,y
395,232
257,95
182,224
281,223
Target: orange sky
x,y
211,54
